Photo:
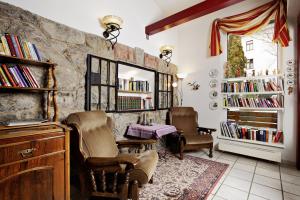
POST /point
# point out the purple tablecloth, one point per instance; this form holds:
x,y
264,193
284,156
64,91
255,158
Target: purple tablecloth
x,y
149,132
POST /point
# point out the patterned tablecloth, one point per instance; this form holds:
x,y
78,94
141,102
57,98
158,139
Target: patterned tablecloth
x,y
150,132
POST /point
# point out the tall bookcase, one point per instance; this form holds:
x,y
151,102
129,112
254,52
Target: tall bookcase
x,y
51,84
257,109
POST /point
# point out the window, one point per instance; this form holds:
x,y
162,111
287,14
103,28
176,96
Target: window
x,y
250,64
165,91
249,45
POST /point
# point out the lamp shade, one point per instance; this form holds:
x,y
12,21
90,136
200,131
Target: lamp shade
x,y
111,19
181,75
166,48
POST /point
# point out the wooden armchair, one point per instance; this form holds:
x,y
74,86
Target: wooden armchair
x,y
191,136
109,174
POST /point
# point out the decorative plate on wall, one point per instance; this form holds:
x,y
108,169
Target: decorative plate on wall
x,y
290,75
290,83
213,94
291,62
213,83
213,73
290,69
213,105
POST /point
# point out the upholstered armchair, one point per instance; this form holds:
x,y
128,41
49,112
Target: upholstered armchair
x,y
109,173
191,136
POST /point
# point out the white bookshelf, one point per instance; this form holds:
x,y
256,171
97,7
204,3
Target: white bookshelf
x,y
253,93
253,148
253,108
238,79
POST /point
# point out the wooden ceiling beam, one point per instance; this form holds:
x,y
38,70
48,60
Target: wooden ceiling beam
x,y
188,14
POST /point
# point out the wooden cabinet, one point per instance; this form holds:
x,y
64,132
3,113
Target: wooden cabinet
x,y
34,162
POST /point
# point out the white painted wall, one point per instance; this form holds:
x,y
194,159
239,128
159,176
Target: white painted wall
x,y
194,59
83,15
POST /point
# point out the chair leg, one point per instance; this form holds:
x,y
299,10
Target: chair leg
x,y
210,151
135,190
181,150
151,180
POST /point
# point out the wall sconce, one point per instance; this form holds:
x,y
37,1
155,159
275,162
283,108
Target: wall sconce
x,y
112,25
180,77
166,53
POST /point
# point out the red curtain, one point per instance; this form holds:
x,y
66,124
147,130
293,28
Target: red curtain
x,y
251,22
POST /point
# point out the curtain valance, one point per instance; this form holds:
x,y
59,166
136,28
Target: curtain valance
x,y
251,22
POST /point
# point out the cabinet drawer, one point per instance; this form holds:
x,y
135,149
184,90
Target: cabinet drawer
x,y
27,149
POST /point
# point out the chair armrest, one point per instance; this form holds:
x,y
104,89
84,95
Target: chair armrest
x,y
95,162
207,130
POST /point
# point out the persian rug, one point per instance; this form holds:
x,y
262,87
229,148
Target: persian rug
x,y
189,179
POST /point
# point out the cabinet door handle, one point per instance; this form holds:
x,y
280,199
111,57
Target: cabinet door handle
x,y
27,152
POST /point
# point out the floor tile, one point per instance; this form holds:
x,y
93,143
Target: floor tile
x,y
288,196
267,181
290,178
237,183
266,192
246,160
268,172
245,167
229,162
231,193
218,185
254,197
290,170
218,198
267,165
210,197
241,174
291,188
230,157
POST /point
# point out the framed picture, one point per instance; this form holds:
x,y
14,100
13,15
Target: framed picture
x,y
213,83
213,94
213,105
213,73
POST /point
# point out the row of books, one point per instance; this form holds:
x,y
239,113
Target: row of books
x,y
233,130
17,76
134,103
14,45
131,85
254,102
259,85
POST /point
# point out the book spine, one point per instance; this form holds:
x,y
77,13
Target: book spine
x,y
25,76
32,77
2,79
21,77
5,46
19,46
2,52
14,76
20,42
33,55
36,52
10,78
26,48
15,46
10,45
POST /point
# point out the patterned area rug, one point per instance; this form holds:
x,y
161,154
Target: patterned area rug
x,y
188,179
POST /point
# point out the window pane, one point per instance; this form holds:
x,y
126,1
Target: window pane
x,y
95,65
95,98
112,101
112,73
103,72
104,102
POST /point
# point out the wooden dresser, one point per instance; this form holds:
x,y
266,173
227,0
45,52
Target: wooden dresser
x,y
34,162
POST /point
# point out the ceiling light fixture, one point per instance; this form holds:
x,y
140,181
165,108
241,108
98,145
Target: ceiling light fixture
x,y
112,25
166,53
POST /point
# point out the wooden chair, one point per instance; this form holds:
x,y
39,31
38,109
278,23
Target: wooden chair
x,y
191,136
107,172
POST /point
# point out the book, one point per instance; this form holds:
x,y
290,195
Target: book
x,y
8,75
2,52
3,79
37,52
31,76
18,46
10,45
5,46
22,77
32,52
14,42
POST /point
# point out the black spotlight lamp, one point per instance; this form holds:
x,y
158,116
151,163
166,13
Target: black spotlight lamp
x,y
112,25
166,53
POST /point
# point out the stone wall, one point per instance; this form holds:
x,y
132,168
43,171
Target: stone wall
x,y
68,48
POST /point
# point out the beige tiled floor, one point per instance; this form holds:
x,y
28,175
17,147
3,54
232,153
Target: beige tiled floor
x,y
253,179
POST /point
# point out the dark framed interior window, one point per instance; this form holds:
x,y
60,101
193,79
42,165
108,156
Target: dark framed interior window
x,y
101,84
165,91
136,88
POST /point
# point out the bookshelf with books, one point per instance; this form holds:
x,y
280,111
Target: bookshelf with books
x,y
17,58
253,126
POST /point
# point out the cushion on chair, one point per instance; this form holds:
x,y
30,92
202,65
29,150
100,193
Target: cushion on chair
x,y
145,167
198,139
